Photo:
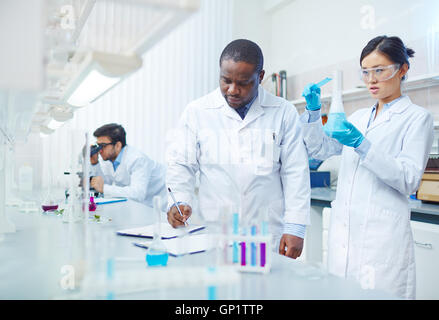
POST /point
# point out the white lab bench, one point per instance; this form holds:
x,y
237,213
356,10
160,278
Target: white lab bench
x,y
33,258
425,227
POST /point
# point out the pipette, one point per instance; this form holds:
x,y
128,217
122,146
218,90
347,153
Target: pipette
x,y
323,82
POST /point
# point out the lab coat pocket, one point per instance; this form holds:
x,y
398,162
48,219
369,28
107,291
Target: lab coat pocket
x,y
269,159
385,234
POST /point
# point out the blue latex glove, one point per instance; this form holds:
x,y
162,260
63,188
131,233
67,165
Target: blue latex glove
x,y
344,131
312,97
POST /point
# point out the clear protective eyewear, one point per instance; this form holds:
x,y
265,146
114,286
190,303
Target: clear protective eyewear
x,y
379,73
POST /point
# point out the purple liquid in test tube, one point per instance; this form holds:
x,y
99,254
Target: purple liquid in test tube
x,y
264,230
242,253
262,254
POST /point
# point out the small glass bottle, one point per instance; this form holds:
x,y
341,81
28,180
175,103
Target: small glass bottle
x,y
92,204
157,255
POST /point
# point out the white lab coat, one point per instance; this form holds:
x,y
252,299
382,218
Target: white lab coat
x,y
370,237
137,177
252,163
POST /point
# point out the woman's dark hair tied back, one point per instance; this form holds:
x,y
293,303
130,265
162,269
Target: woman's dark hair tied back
x,y
410,52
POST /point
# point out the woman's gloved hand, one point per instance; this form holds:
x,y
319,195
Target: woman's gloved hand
x,y
345,132
311,93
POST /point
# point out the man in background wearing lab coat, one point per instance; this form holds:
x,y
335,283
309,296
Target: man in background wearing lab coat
x,y
246,144
126,171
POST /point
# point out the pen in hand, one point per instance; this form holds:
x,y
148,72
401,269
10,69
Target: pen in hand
x,y
175,203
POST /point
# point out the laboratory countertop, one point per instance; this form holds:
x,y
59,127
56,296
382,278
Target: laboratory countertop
x,y
420,211
35,262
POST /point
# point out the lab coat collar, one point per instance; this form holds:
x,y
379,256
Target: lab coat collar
x,y
256,110
118,159
397,108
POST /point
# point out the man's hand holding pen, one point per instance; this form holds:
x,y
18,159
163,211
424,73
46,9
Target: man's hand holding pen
x,y
174,217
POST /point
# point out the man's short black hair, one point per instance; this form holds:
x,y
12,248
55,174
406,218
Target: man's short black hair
x,y
112,130
244,50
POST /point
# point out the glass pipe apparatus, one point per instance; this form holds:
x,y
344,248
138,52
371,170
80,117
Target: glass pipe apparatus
x,y
247,248
6,226
77,190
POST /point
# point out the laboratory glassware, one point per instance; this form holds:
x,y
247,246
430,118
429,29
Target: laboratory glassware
x,y
156,254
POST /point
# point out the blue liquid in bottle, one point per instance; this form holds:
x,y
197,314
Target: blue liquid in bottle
x,y
332,124
156,255
156,258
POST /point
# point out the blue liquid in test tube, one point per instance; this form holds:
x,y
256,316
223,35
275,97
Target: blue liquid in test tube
x,y
235,232
211,288
253,247
110,278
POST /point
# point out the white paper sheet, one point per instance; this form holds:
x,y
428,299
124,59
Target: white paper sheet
x,y
187,245
166,231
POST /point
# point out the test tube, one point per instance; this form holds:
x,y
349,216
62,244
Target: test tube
x,y
243,249
264,232
253,247
110,278
235,232
211,288
243,253
225,229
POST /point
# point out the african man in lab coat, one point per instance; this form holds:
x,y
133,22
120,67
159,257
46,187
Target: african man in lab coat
x,y
246,144
125,171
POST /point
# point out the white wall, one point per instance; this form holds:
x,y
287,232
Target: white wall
x,y
251,21
310,34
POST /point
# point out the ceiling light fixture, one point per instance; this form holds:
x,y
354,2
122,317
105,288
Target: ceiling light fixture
x,y
98,73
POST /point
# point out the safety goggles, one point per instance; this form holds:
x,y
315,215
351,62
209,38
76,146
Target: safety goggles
x,y
104,144
381,73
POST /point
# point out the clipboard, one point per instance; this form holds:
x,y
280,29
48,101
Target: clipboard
x,y
166,230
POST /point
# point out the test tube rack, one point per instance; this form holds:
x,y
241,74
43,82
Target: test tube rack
x,y
253,252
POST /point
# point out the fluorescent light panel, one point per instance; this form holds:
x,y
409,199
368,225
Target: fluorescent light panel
x,y
93,86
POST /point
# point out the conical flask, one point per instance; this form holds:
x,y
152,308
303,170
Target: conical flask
x,y
336,110
157,255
